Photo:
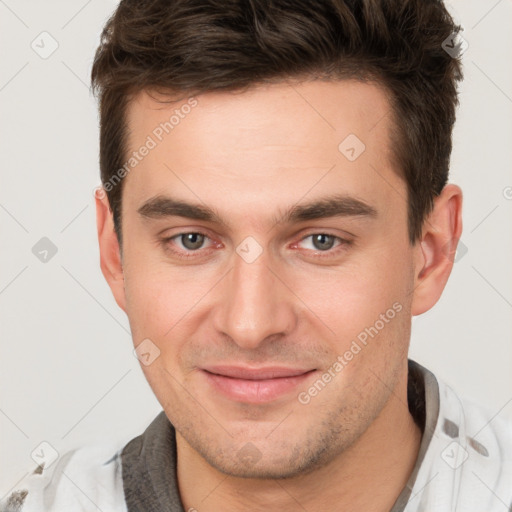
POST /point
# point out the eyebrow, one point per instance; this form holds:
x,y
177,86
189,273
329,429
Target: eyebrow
x,y
339,205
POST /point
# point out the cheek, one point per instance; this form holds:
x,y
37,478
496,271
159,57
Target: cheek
x,y
154,302
166,304
157,310
353,296
362,310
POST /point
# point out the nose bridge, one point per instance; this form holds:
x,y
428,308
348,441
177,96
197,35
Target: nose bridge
x,y
253,305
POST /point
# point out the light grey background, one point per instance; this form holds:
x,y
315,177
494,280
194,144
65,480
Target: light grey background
x,y
68,375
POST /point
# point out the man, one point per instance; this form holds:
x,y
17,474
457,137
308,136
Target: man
x,y
275,209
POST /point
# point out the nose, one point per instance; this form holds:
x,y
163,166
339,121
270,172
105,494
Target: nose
x,y
254,303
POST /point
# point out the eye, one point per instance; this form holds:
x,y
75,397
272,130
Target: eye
x,y
324,242
187,243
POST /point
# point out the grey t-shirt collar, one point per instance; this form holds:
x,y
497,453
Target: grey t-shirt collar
x,y
424,403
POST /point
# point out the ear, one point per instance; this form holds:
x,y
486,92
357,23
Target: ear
x,y
435,252
110,254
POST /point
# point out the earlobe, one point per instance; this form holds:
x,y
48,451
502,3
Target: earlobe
x,y
436,249
110,254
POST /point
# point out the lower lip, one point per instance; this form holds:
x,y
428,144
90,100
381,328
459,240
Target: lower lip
x,y
255,391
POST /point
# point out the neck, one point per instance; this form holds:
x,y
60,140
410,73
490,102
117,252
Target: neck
x,y
368,476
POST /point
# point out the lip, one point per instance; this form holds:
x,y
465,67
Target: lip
x,y
255,385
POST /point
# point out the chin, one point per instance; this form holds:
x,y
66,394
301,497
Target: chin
x,y
251,463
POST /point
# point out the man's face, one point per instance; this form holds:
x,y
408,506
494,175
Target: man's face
x,y
258,289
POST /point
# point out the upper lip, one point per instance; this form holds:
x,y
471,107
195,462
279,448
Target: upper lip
x,y
248,373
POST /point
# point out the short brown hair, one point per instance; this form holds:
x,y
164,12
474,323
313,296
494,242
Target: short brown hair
x,y
196,46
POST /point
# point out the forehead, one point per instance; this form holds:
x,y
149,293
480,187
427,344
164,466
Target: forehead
x,y
271,144
307,110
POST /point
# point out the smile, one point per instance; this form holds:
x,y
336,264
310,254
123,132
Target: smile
x,y
255,385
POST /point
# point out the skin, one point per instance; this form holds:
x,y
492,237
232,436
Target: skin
x,y
250,156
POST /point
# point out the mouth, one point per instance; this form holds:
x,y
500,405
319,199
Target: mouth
x,y
255,385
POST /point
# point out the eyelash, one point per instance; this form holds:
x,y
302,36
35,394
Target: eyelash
x,y
188,254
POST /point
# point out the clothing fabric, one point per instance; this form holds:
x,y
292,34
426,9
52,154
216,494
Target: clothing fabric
x,y
464,464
